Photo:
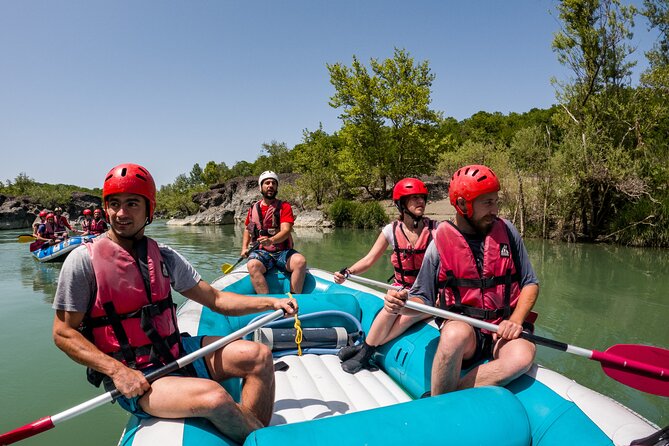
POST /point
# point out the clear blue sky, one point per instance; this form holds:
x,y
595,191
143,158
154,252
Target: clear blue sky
x,y
85,85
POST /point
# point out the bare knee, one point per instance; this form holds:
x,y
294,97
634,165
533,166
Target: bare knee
x,y
255,359
455,333
255,267
298,262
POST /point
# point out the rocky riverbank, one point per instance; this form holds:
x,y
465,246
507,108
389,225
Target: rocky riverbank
x,y
228,204
21,212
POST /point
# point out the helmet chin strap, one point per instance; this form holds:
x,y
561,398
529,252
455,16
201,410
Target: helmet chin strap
x,y
416,220
133,236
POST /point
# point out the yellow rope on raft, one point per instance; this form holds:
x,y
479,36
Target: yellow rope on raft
x,y
298,331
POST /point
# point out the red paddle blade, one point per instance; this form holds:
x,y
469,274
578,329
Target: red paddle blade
x,y
643,367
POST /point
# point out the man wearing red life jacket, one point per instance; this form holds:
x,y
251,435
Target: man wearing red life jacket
x,y
98,224
409,237
269,223
477,266
62,225
114,314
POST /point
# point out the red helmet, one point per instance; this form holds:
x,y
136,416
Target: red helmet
x,y
87,212
408,186
97,211
50,215
43,213
131,179
469,182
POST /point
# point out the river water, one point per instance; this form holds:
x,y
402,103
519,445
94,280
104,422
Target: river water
x,y
592,296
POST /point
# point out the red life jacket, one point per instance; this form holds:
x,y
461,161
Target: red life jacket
x,y
268,224
407,258
86,224
132,317
491,295
97,226
62,224
49,230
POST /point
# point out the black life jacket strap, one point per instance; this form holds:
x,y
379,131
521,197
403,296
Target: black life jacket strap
x,y
485,283
398,253
102,321
149,312
477,313
119,332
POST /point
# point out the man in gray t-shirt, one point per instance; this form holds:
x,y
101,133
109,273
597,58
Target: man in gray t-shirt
x,y
114,315
454,268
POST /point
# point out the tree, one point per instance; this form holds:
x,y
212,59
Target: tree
x,y
316,160
595,44
215,173
388,128
279,158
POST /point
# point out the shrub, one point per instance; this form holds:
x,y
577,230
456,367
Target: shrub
x,y
345,213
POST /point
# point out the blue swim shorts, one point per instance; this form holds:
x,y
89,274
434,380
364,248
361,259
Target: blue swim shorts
x,y
273,259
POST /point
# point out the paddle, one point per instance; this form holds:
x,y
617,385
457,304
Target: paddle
x,y
25,238
46,423
641,367
226,267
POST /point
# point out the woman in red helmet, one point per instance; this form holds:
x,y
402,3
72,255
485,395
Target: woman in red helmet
x,y
408,237
477,266
115,314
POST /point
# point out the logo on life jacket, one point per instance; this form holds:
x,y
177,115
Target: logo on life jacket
x,y
504,250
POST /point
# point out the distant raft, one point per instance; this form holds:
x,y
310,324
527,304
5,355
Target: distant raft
x,y
59,251
317,403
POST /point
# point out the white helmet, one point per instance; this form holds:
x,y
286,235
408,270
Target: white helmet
x,y
267,175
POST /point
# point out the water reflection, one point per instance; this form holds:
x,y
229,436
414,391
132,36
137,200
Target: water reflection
x,y
40,277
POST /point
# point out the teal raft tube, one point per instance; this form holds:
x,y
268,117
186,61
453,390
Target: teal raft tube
x,y
58,252
316,402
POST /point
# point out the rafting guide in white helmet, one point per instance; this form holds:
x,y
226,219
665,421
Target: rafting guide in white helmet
x,y
267,240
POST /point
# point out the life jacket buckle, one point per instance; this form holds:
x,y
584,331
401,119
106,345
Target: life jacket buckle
x,y
151,310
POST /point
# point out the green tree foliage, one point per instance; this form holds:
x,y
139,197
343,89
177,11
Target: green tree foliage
x,y
279,159
48,195
600,112
215,173
388,127
316,158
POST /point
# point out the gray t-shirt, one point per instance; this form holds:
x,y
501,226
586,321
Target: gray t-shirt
x,y
77,286
425,286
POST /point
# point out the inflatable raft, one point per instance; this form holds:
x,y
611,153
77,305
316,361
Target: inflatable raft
x,y
318,403
58,252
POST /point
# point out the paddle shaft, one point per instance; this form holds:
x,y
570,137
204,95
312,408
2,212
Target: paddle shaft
x,y
46,423
602,357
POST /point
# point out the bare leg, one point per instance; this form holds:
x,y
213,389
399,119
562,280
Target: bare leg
x,y
257,272
297,266
512,359
252,362
387,326
456,342
205,398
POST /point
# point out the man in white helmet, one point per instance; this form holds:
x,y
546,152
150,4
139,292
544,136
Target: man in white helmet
x,y
269,223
